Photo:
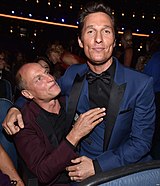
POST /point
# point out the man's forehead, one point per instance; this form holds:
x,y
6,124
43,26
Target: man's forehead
x,y
31,70
31,67
98,17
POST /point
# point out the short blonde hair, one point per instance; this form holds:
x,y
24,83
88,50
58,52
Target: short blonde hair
x,y
55,47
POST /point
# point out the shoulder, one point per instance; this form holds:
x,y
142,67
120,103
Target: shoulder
x,y
66,81
131,75
155,58
138,76
30,110
72,71
77,68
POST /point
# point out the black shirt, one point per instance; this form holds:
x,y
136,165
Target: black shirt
x,y
99,91
99,94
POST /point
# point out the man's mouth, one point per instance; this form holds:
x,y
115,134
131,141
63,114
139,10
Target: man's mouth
x,y
98,49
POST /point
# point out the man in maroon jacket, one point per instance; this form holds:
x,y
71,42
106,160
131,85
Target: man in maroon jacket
x,y
42,143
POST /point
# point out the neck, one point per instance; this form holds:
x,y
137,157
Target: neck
x,y
52,106
98,69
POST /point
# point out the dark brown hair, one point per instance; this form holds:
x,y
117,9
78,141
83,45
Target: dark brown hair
x,y
93,7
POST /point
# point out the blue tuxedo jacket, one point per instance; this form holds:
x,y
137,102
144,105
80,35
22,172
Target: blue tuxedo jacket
x,y
131,111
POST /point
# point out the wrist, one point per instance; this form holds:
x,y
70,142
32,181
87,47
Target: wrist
x,y
15,182
72,138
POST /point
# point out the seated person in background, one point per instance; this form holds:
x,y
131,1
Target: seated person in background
x,y
127,56
5,72
43,143
19,58
141,62
152,68
46,63
8,173
61,58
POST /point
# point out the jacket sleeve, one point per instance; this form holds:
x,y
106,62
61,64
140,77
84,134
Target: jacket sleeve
x,y
136,145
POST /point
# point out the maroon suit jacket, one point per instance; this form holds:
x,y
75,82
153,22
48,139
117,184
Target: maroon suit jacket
x,y
42,158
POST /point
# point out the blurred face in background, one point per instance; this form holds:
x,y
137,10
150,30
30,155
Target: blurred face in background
x,y
44,65
54,57
2,61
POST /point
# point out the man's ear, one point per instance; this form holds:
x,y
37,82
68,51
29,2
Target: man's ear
x,y
80,42
27,94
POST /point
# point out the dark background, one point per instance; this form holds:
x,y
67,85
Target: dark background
x,y
22,37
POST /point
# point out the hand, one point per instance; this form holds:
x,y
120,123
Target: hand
x,y
13,116
82,169
20,183
84,124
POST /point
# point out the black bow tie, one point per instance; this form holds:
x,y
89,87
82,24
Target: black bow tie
x,y
104,76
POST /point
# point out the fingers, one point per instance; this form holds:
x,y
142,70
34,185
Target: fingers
x,y
82,170
13,121
11,129
94,116
73,168
93,112
20,121
74,171
74,178
93,124
77,160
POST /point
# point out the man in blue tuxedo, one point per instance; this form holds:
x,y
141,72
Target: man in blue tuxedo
x,y
125,135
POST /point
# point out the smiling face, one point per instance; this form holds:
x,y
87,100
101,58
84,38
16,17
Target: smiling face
x,y
98,38
39,84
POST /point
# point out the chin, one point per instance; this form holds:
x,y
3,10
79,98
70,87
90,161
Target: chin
x,y
97,63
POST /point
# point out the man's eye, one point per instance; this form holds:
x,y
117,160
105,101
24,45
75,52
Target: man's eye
x,y
38,79
107,31
46,71
90,32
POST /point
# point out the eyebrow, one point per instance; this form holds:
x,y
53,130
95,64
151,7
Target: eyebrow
x,y
105,26
44,71
35,77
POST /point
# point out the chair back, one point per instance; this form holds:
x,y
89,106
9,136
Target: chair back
x,y
6,89
5,139
139,174
10,148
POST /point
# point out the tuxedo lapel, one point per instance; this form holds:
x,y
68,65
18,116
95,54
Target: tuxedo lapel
x,y
73,100
116,96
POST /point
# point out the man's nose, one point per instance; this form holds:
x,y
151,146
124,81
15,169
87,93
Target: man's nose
x,y
98,37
